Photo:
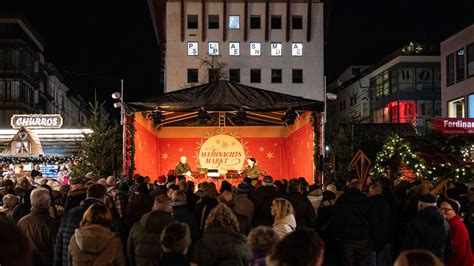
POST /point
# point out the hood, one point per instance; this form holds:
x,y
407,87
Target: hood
x,y
353,195
289,219
155,221
223,241
431,215
93,238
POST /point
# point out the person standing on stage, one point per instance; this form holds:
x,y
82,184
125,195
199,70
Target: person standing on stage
x,y
183,167
252,171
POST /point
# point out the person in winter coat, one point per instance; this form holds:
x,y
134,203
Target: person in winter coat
x,y
380,254
39,227
462,255
351,222
221,243
304,212
114,199
175,241
76,194
262,199
140,203
428,229
71,220
285,221
144,245
261,241
315,196
206,204
93,243
183,213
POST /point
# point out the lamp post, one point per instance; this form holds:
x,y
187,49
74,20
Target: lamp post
x,y
123,108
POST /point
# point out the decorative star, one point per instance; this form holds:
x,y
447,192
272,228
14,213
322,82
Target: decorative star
x,y
262,149
139,145
164,156
275,144
168,145
224,145
180,149
269,155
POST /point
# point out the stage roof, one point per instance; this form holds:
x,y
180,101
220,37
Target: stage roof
x,y
225,95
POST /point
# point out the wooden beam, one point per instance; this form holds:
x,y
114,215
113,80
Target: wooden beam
x,y
265,116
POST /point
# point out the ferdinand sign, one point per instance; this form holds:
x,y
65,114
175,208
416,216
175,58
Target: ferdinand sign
x,y
461,126
37,121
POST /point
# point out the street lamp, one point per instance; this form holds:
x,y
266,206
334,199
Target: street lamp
x,y
123,107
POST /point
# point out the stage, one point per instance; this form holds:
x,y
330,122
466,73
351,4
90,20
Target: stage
x,y
169,127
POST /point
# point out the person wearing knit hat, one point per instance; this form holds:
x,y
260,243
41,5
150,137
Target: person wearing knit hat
x,y
428,230
175,240
462,254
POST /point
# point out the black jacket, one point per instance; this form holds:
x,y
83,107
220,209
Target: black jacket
x,y
304,211
184,214
382,221
74,198
220,246
203,208
427,231
351,216
174,259
262,199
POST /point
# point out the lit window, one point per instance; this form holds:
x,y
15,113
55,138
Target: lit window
x,y
276,49
234,22
297,49
213,48
193,48
255,49
456,108
234,48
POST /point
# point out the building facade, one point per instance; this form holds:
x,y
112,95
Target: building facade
x,y
404,87
457,78
29,84
273,45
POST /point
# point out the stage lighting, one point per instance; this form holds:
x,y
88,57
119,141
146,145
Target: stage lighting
x,y
240,117
157,117
203,116
117,105
116,95
289,116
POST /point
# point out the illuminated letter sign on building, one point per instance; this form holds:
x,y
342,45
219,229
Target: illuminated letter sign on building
x,y
193,48
255,49
276,49
297,49
37,121
234,48
213,48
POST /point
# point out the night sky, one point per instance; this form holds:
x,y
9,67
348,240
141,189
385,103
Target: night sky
x,y
96,43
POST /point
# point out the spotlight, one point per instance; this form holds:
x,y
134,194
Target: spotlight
x,y
116,95
203,116
289,116
157,117
240,117
117,105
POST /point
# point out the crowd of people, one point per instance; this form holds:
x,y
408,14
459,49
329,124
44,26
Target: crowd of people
x,y
103,221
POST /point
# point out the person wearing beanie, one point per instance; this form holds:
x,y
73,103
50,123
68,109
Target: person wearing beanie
x,y
462,255
428,230
175,241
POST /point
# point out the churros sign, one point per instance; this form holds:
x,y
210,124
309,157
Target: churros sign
x,y
222,152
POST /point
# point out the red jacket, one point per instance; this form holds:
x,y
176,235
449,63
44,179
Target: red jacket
x,y
462,255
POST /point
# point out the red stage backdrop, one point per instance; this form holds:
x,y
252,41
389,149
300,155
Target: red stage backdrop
x,y
282,152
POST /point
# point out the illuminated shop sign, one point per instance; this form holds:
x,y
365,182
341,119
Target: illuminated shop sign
x,y
37,121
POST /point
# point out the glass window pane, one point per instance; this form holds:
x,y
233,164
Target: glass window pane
x,y
234,75
255,75
456,108
406,79
213,21
254,22
276,75
297,76
424,79
193,21
450,69
470,60
460,65
234,22
297,22
470,109
276,22
192,75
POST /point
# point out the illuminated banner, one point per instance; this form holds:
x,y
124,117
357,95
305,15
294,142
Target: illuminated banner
x,y
222,152
37,121
462,126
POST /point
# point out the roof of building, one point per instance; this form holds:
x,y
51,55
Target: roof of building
x,y
411,49
27,27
